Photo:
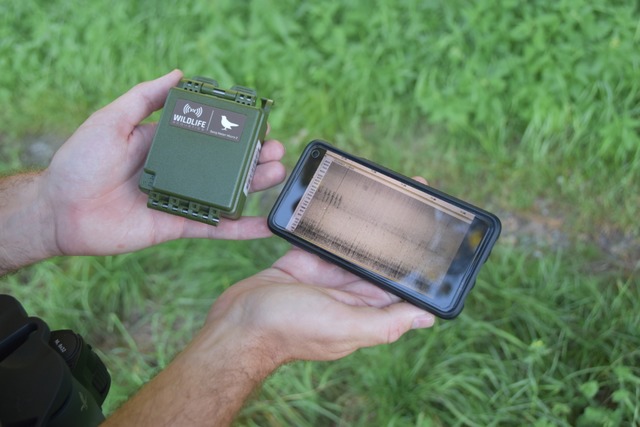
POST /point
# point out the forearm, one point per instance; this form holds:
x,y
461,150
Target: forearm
x,y
27,226
206,384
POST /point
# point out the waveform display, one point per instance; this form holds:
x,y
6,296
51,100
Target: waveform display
x,y
373,225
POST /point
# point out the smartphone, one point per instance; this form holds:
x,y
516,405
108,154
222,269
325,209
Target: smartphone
x,y
406,237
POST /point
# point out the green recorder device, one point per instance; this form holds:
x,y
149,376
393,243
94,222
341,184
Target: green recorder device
x,y
205,150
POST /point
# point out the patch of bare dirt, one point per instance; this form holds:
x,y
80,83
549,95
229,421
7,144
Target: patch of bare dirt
x,y
542,227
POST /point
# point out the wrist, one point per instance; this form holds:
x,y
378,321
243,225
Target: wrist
x,y
248,352
26,221
206,384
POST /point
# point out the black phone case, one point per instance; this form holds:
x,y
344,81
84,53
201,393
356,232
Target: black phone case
x,y
414,298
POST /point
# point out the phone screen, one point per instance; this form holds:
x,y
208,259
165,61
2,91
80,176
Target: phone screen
x,y
388,225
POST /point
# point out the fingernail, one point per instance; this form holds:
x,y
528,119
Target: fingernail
x,y
423,321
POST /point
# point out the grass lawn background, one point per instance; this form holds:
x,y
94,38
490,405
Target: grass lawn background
x,y
528,109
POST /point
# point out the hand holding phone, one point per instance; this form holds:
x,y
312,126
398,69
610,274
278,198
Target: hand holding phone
x,y
408,238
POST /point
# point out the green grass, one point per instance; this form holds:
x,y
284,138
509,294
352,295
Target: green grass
x,y
530,109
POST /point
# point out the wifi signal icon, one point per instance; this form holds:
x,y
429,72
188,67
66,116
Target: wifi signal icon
x,y
197,111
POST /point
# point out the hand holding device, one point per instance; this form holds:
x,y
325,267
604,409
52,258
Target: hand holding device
x,y
90,191
412,240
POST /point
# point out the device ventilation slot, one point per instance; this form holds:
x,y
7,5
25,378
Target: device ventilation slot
x,y
183,208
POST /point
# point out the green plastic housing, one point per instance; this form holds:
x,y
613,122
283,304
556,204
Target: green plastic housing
x,y
190,170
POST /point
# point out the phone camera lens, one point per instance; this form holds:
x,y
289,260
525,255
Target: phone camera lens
x,y
315,154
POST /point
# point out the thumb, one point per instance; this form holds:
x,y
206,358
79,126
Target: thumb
x,y
139,102
388,324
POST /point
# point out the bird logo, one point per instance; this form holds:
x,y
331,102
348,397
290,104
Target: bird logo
x,y
226,124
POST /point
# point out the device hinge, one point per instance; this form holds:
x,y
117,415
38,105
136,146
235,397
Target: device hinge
x,y
240,94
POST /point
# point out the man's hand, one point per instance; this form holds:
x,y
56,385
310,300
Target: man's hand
x,y
92,183
306,308
87,201
301,308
